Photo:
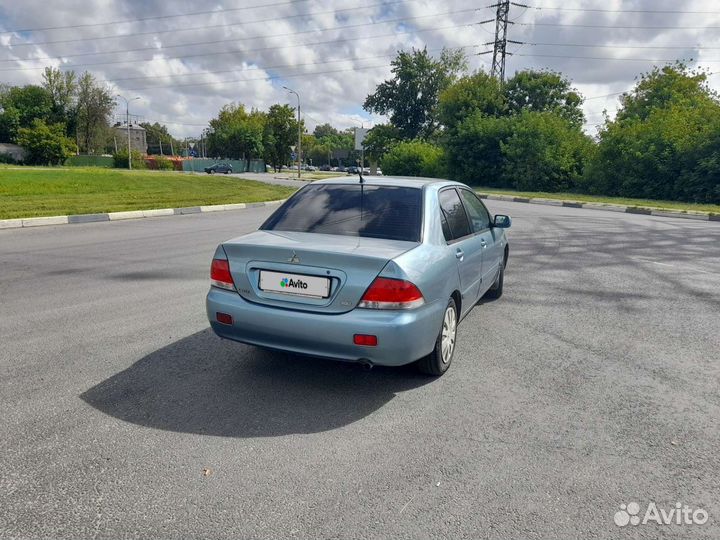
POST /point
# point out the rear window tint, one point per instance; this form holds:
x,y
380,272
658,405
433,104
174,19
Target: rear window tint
x,y
389,212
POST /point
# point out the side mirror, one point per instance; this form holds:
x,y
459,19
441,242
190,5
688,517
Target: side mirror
x,y
502,222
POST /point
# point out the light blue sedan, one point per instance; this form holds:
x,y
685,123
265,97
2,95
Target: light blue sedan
x,y
374,270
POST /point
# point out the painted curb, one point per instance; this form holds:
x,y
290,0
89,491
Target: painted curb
x,y
50,220
646,211
130,214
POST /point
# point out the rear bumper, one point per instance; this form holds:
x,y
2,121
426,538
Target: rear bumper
x,y
403,336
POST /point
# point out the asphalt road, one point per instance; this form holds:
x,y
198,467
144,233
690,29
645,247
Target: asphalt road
x,y
593,382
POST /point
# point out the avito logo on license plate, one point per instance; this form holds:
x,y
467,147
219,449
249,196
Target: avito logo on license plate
x,y
297,284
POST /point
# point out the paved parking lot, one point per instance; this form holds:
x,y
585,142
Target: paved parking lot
x,y
593,382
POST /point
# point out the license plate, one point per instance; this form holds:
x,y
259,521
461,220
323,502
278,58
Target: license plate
x,y
295,284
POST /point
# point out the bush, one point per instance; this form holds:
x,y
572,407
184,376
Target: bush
x,y
7,158
158,163
120,160
531,151
664,142
414,158
45,144
545,152
164,164
89,161
473,150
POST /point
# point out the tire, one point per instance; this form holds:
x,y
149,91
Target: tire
x,y
436,363
496,290
212,171
227,172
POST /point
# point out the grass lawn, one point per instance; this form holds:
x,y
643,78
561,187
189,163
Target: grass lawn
x,y
645,203
63,191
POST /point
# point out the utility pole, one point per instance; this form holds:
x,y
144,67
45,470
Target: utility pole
x,y
127,120
160,141
299,144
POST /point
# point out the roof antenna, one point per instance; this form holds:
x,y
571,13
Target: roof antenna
x,y
360,171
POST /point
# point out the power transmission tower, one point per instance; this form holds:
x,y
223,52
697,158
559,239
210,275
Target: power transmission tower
x,y
499,51
500,45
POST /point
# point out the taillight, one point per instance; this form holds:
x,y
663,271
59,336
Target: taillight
x,y
220,275
387,293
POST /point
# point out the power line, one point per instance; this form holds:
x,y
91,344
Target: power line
x,y
590,46
285,34
204,27
610,58
234,51
210,83
620,27
265,68
332,41
594,10
604,96
157,17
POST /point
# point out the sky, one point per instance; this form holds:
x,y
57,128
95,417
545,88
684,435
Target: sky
x,y
186,59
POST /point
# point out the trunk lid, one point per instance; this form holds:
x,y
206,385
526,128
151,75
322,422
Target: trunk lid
x,y
350,263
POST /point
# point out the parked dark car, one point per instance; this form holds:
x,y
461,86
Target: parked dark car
x,y
224,168
352,170
325,168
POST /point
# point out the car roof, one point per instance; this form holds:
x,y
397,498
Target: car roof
x,y
397,181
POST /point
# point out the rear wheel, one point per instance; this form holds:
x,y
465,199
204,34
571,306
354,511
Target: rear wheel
x,y
497,288
438,361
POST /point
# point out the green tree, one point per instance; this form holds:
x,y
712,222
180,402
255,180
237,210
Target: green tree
x,y
237,133
94,109
279,135
543,91
663,143
380,139
324,131
45,144
410,98
62,89
20,106
664,87
472,93
414,158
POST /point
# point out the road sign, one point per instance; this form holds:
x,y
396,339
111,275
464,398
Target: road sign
x,y
293,156
360,134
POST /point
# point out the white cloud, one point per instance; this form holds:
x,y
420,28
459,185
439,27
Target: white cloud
x,y
332,54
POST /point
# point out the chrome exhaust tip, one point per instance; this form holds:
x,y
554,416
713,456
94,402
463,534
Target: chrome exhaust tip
x,y
367,365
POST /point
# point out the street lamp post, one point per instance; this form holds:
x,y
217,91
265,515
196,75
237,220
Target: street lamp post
x,y
299,143
127,121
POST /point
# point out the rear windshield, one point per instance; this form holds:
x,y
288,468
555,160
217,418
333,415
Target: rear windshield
x,y
389,212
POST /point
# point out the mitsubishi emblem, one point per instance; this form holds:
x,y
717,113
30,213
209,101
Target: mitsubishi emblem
x,y
294,259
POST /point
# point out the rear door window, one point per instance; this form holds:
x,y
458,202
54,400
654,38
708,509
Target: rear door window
x,y
454,213
389,212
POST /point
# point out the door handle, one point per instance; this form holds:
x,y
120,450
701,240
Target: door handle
x,y
459,254
483,243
